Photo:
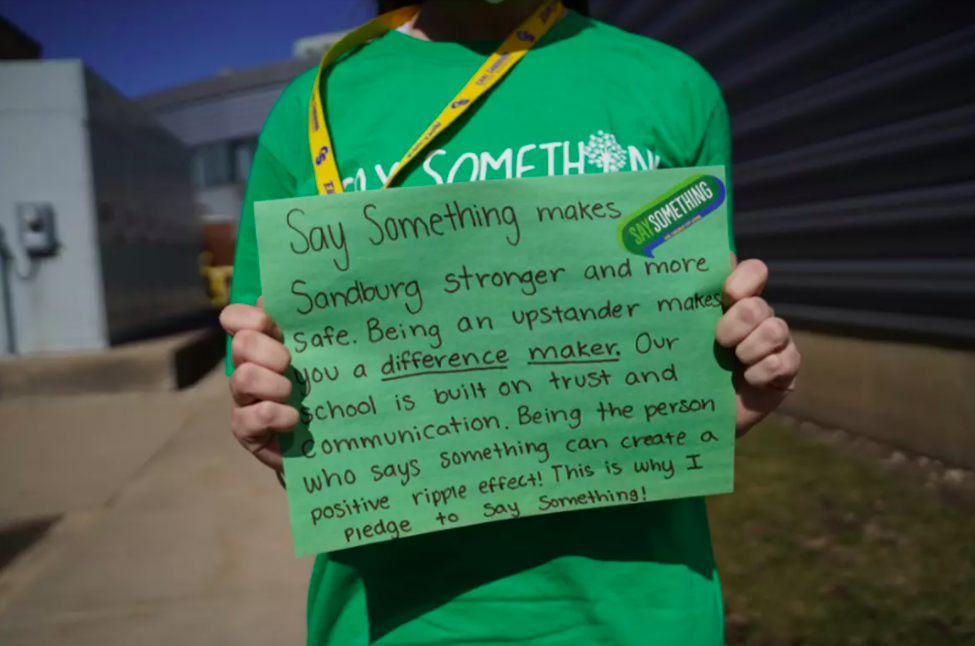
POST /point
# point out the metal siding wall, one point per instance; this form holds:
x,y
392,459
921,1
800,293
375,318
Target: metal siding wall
x,y
196,124
854,136
149,233
219,118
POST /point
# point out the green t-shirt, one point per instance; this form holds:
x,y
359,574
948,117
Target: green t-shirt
x,y
588,98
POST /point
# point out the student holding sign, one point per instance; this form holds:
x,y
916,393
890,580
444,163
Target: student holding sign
x,y
523,89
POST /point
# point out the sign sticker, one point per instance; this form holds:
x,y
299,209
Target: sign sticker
x,y
655,223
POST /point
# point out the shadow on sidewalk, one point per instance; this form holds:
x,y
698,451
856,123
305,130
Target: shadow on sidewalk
x,y
18,536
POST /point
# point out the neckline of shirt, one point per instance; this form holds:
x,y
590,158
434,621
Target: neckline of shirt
x,y
398,43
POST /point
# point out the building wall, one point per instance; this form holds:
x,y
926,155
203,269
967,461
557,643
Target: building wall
x,y
128,262
854,175
219,120
231,116
221,123
148,230
221,203
57,303
916,396
853,127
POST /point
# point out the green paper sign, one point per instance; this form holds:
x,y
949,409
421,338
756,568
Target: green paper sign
x,y
478,352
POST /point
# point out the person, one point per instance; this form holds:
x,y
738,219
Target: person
x,y
586,98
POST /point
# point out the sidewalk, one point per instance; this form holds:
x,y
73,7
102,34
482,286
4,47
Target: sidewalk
x,y
170,533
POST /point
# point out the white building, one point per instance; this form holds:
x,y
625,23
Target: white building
x,y
219,119
101,240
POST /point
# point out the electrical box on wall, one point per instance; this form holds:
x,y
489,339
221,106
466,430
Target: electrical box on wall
x,y
38,230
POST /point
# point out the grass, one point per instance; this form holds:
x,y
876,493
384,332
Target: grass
x,y
819,548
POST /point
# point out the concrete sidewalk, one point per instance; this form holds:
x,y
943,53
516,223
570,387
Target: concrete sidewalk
x,y
170,534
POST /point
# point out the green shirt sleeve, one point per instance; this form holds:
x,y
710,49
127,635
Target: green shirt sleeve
x,y
715,150
268,180
281,148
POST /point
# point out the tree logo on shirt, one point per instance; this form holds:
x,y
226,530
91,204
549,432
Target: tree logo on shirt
x,y
604,152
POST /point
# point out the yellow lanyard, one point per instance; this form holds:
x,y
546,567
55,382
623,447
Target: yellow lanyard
x,y
514,47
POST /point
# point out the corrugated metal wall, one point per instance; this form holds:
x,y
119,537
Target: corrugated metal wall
x,y
149,239
854,134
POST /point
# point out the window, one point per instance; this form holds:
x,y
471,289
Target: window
x,y
211,165
223,162
243,156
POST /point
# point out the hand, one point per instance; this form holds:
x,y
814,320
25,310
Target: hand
x,y
258,385
762,343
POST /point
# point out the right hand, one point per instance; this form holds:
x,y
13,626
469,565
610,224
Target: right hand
x,y
258,386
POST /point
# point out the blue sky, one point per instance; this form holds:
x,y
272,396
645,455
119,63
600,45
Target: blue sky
x,y
144,45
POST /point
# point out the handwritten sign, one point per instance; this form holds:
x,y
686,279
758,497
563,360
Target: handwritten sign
x,y
485,351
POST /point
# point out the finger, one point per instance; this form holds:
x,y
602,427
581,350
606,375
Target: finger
x,y
251,383
263,443
741,320
249,346
238,316
270,453
746,280
251,424
771,335
778,370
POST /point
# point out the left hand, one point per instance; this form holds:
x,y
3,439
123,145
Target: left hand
x,y
762,343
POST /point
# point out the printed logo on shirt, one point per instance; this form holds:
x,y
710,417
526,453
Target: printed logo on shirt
x,y
600,153
605,153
